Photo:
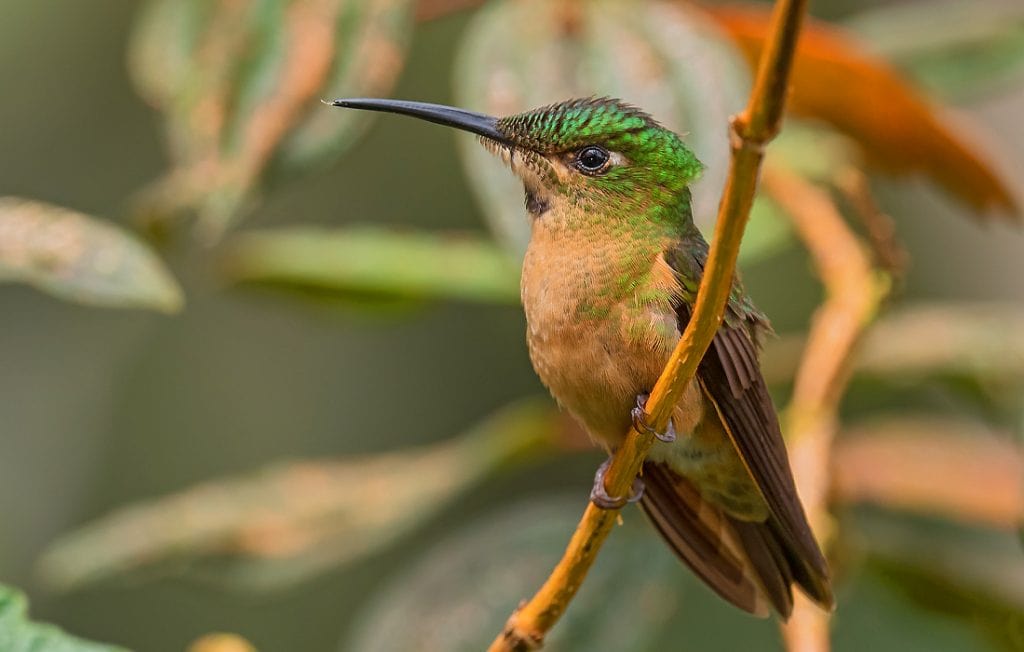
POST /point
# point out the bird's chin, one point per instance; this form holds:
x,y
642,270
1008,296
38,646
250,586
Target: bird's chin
x,y
519,161
537,202
503,151
529,166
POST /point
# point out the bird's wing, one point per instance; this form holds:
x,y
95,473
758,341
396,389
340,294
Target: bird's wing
x,y
733,383
731,378
705,537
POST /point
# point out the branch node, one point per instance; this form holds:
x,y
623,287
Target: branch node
x,y
516,640
741,140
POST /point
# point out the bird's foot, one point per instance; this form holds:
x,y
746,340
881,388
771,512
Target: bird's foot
x,y
639,414
599,496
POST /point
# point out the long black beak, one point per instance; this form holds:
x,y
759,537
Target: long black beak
x,y
477,123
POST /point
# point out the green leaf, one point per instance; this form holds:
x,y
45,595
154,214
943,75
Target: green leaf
x,y
973,574
959,48
376,262
80,258
876,615
665,57
292,521
240,83
18,634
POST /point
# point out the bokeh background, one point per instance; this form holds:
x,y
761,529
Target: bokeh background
x,y
431,548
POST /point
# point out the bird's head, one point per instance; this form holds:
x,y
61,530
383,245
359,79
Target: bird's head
x,y
598,156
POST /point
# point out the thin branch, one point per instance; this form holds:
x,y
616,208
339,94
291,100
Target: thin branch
x,y
879,227
221,642
854,291
750,131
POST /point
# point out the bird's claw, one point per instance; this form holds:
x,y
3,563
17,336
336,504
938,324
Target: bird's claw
x,y
639,414
599,496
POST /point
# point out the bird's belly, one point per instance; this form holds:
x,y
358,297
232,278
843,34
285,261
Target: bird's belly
x,y
592,373
595,370
593,351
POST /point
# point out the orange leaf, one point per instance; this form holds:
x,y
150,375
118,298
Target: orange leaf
x,y
897,463
837,80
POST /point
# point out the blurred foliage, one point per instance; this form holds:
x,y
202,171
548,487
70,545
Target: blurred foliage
x,y
80,258
456,597
238,84
970,340
286,524
836,80
950,46
893,462
963,572
377,262
236,87
18,634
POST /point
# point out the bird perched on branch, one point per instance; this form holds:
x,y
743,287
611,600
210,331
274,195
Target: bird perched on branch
x,y
609,281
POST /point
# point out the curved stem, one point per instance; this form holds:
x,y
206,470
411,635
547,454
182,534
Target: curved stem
x,y
854,291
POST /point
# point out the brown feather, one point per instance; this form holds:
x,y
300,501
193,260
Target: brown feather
x,y
730,377
757,437
748,564
703,537
749,418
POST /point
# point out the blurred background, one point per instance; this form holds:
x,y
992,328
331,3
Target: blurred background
x,y
262,365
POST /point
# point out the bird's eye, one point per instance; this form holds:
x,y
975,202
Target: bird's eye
x,y
592,159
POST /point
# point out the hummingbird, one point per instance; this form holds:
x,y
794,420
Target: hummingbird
x,y
609,281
